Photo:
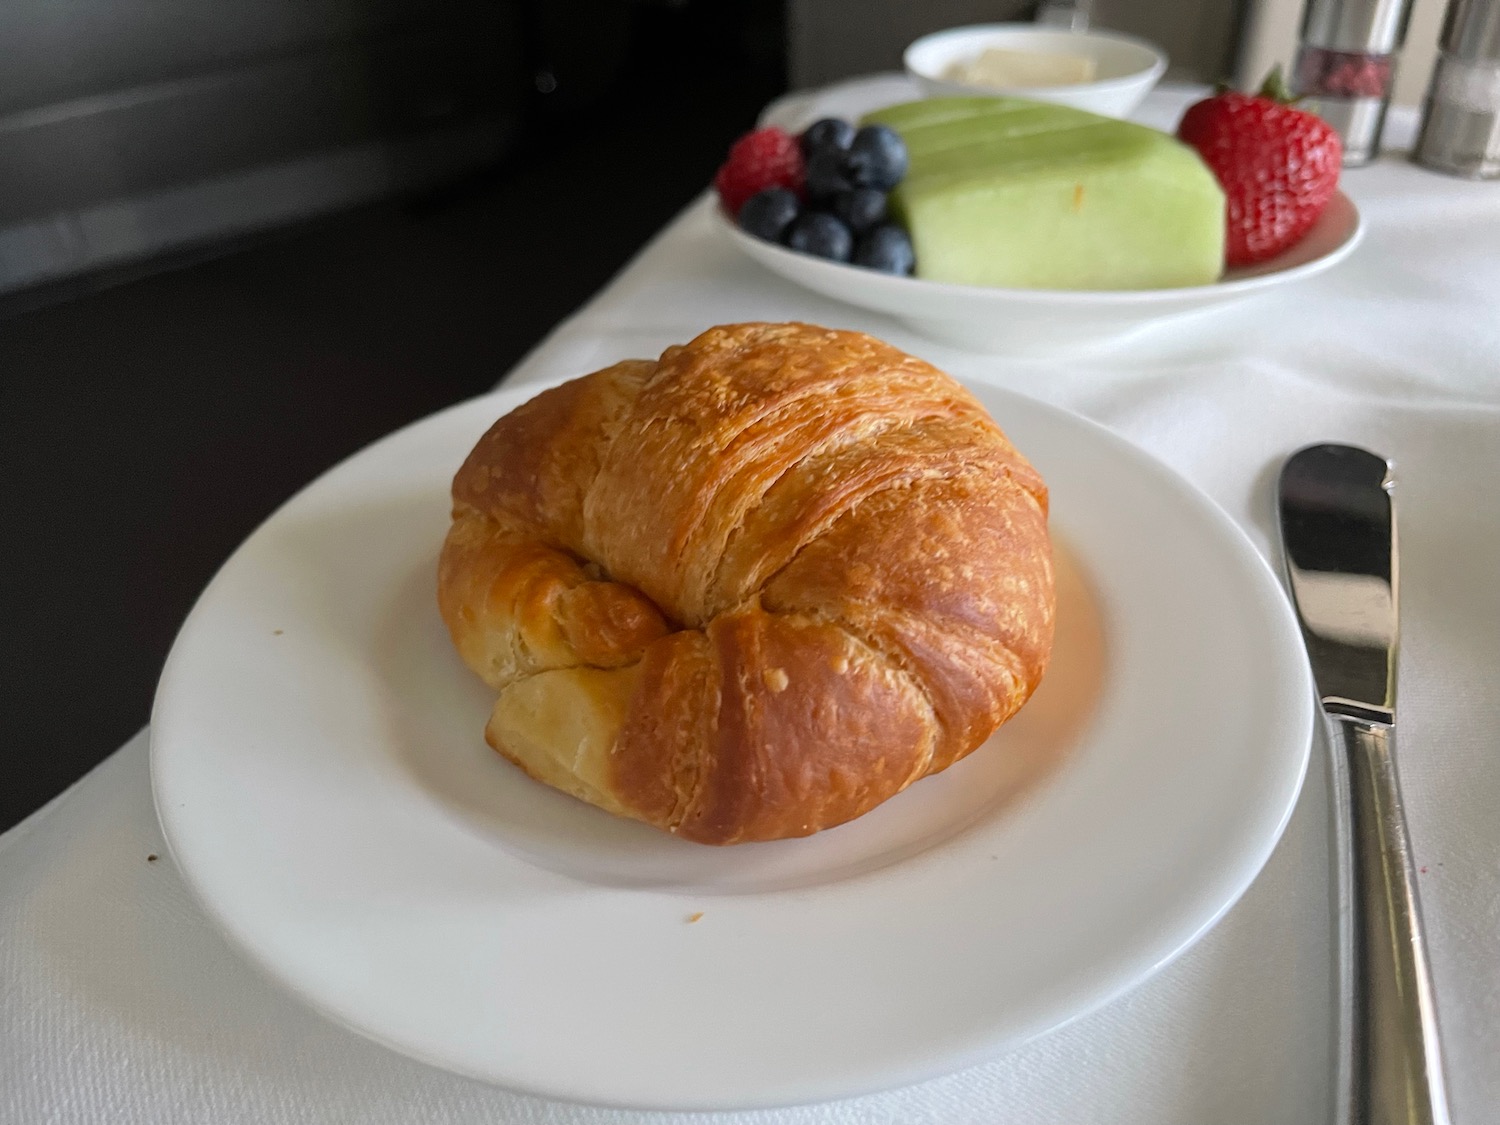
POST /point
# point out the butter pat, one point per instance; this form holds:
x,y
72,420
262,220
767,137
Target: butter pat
x,y
999,69
1021,194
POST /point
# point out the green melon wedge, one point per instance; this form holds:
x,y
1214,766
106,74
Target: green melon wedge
x,y
1014,193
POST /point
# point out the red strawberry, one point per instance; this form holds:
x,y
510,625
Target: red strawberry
x,y
1278,166
764,158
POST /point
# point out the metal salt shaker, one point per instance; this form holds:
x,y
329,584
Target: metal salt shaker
x,y
1460,131
1346,67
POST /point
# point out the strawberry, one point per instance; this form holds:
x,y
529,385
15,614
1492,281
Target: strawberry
x,y
761,159
1278,166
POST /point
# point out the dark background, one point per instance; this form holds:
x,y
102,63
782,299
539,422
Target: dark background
x,y
151,416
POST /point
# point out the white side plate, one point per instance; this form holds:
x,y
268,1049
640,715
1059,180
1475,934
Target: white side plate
x,y
321,777
1023,321
1031,321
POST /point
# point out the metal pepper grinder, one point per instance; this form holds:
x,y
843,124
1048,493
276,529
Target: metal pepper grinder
x,y
1346,67
1460,131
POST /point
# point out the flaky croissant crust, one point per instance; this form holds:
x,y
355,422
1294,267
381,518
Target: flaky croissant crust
x,y
752,589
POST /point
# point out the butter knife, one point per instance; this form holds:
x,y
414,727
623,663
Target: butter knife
x,y
1338,528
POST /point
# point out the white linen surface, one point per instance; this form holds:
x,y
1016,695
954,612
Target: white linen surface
x,y
119,1002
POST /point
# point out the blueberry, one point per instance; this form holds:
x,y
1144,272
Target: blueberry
x,y
826,176
886,248
821,235
767,214
830,132
861,208
877,158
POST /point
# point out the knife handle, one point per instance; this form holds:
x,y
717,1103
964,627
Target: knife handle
x,y
1399,1052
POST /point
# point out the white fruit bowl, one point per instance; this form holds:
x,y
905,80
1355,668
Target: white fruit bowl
x,y
1126,68
1017,321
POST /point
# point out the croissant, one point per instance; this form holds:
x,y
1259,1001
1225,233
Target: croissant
x,y
752,589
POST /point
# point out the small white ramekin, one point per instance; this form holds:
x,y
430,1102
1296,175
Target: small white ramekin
x,y
1126,67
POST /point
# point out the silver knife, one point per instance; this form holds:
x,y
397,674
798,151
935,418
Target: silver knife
x,y
1338,529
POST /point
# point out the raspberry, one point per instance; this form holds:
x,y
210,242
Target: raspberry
x,y
764,158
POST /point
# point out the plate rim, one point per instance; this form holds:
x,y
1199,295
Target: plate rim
x,y
1127,971
894,287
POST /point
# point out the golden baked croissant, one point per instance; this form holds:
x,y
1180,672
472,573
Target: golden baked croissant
x,y
752,589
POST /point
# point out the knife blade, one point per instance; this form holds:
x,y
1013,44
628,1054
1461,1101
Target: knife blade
x,y
1338,528
1338,525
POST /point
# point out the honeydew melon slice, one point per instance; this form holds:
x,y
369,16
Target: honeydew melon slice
x,y
1015,193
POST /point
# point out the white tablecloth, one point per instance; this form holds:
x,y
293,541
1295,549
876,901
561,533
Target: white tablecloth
x,y
120,1003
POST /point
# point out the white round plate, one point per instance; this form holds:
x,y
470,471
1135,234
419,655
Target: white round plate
x,y
320,775
1025,321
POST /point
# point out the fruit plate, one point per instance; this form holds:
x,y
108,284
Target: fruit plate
x,y
1019,321
321,779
